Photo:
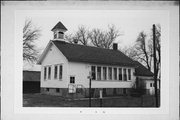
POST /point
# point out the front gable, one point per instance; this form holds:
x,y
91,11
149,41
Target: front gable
x,y
51,55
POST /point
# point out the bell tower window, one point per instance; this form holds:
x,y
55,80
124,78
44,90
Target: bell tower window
x,y
59,29
55,35
60,35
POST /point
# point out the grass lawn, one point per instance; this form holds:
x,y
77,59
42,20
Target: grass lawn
x,y
40,100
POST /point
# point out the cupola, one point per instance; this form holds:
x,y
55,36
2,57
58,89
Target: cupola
x,y
59,29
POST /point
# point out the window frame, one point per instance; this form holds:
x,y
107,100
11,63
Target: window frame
x,y
49,72
115,73
100,78
55,71
45,72
60,72
120,74
104,71
55,35
124,74
129,74
73,80
110,73
93,72
57,90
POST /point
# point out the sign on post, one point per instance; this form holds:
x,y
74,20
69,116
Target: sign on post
x,y
72,88
100,95
100,92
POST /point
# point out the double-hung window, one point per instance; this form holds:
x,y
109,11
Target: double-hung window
x,y
120,73
110,73
55,71
129,74
49,72
72,79
93,70
124,74
45,73
104,73
60,71
115,73
98,73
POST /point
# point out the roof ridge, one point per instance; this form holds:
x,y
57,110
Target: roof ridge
x,y
87,46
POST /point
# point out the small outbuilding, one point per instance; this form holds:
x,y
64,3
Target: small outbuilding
x,y
31,81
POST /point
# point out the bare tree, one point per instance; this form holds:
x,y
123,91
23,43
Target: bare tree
x,y
80,37
97,37
142,51
104,39
30,35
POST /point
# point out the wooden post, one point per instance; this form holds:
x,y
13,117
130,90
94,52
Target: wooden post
x,y
155,71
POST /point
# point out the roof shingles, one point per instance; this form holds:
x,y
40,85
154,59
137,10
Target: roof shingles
x,y
88,54
59,25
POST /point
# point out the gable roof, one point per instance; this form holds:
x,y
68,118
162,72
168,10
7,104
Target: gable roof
x,y
88,54
141,70
59,25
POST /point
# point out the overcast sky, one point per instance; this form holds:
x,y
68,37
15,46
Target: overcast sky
x,y
129,22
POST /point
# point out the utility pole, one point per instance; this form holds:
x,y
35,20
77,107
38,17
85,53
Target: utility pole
x,y
155,71
90,77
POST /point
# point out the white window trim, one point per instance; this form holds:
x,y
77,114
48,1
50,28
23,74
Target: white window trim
x,y
62,72
112,73
57,72
74,79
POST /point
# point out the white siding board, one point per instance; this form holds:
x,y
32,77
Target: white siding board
x,y
53,57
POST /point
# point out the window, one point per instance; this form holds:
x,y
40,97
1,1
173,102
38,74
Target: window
x,y
47,89
115,73
49,72
150,84
55,72
60,71
125,74
120,73
55,35
104,73
45,70
93,70
110,73
124,91
98,73
129,74
72,79
60,35
57,90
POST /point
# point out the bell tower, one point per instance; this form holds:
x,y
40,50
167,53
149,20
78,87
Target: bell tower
x,y
59,29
